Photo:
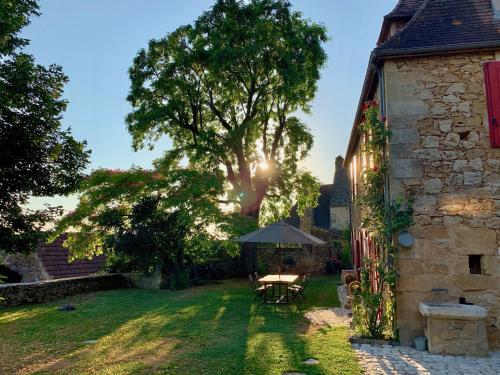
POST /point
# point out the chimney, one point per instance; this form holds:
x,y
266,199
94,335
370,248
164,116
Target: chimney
x,y
339,161
496,8
340,190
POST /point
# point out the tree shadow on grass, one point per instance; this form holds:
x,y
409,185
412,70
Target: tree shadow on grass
x,y
149,341
208,330
276,342
55,337
281,339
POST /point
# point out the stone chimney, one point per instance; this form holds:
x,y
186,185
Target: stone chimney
x,y
340,194
307,221
339,200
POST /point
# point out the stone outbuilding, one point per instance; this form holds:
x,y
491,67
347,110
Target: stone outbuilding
x,y
52,261
332,212
436,76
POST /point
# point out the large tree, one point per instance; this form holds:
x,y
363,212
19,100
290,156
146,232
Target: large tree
x,y
225,90
37,157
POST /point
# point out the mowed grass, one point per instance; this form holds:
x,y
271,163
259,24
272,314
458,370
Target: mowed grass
x,y
215,329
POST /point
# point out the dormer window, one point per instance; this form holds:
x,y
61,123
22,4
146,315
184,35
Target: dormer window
x,y
496,8
396,27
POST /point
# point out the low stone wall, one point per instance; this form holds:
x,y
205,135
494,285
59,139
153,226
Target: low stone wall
x,y
43,291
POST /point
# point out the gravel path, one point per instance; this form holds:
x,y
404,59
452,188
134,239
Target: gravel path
x,y
402,360
332,317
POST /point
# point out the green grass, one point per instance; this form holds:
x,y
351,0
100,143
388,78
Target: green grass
x,y
214,329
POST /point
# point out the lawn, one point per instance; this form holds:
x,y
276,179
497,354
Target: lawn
x,y
215,329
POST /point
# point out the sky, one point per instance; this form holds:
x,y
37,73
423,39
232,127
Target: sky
x,y
95,42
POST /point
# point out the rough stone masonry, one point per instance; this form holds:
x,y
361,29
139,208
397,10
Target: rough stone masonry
x,y
441,154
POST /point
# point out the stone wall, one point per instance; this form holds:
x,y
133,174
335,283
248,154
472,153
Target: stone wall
x,y
307,220
339,218
307,259
440,152
43,291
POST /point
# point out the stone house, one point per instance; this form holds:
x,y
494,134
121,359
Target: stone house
x,y
332,212
51,261
436,76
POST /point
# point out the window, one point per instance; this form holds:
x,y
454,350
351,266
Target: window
x,y
496,8
492,81
475,264
396,27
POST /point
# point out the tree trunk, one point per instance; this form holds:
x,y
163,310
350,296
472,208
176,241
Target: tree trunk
x,y
248,250
250,207
248,258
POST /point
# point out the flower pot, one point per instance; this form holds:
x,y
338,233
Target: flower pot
x,y
421,343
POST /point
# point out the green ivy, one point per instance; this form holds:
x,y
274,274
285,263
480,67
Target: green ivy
x,y
375,304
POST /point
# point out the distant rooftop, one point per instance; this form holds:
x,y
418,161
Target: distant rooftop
x,y
331,195
54,258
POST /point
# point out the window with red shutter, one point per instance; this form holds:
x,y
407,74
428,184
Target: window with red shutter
x,y
492,80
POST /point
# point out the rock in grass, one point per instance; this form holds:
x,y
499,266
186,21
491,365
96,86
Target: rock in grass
x,y
88,342
311,361
67,307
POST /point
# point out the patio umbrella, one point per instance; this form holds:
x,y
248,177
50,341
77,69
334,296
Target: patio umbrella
x,y
281,233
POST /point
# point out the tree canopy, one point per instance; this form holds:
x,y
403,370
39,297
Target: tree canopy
x,y
37,157
225,90
159,217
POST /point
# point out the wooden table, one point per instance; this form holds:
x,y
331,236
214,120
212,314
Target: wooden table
x,y
276,281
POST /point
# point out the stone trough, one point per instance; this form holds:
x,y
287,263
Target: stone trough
x,y
455,329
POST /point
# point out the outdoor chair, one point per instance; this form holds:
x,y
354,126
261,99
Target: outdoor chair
x,y
258,290
298,290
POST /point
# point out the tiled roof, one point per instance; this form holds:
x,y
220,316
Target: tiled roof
x,y
336,194
405,8
446,25
54,259
322,211
294,219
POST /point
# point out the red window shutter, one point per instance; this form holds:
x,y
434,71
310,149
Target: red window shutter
x,y
492,80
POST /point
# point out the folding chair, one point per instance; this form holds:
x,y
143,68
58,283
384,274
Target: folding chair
x,y
259,291
298,290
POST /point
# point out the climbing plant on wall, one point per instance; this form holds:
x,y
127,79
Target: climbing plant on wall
x,y
375,298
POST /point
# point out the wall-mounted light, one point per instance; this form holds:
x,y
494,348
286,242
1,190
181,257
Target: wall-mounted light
x,y
406,239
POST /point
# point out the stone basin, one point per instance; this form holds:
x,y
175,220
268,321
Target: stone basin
x,y
452,311
455,329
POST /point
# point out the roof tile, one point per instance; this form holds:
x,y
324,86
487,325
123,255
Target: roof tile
x,y
405,8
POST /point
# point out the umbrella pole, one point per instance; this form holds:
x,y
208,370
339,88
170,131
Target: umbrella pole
x,y
279,259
